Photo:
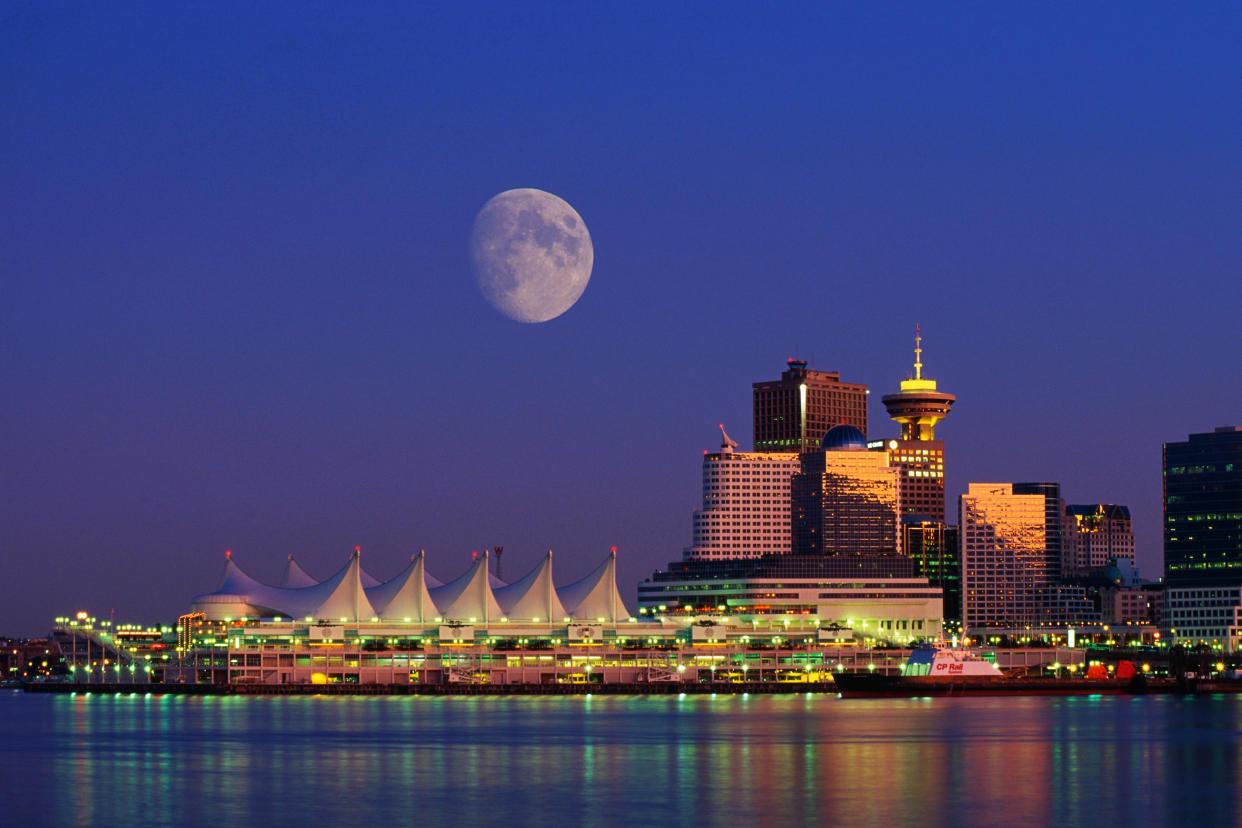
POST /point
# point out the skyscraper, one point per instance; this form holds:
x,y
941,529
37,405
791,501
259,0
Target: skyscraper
x,y
1095,533
1004,567
933,547
919,406
745,511
845,499
794,412
1011,575
1054,516
1203,538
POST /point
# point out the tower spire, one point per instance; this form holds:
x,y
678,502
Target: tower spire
x,y
918,352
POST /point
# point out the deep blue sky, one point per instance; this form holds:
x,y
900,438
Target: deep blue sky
x,y
236,310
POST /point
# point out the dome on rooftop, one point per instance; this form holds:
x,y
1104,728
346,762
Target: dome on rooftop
x,y
844,438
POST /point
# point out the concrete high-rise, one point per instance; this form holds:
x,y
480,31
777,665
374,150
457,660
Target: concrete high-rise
x,y
745,511
1203,538
919,406
794,412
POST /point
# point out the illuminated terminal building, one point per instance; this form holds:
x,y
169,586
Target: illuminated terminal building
x,y
414,631
792,414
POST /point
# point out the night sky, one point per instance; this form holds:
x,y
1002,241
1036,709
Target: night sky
x,y
236,309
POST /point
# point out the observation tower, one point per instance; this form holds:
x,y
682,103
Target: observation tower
x,y
918,406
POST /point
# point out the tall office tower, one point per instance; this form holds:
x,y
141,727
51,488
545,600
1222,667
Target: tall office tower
x,y
1095,533
918,406
1054,515
793,413
1203,538
1010,579
1004,567
845,499
745,511
934,549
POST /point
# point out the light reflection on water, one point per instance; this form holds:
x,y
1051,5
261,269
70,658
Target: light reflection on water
x,y
601,760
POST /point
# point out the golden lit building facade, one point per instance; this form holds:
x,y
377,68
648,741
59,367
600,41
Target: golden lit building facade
x,y
845,499
1004,567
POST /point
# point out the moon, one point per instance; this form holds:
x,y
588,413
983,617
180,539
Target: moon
x,y
531,254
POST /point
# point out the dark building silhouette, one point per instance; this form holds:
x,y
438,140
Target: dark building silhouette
x,y
1203,538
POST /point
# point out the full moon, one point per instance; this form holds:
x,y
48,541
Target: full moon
x,y
531,254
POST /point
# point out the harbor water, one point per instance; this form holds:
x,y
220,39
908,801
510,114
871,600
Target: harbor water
x,y
100,759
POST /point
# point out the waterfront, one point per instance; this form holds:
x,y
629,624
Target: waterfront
x,y
166,760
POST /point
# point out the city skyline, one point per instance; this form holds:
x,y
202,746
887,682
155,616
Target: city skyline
x,y
238,311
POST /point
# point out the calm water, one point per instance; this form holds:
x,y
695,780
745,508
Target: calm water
x,y
119,760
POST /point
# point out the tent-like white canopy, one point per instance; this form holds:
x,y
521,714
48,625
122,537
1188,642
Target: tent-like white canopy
x,y
405,597
469,596
415,595
596,596
533,597
296,577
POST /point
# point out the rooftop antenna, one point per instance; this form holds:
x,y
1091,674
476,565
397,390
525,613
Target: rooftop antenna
x,y
727,443
918,352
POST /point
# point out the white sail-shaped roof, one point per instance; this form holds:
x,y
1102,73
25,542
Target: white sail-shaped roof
x,y
296,577
470,596
533,597
232,598
239,594
596,596
237,582
405,596
347,600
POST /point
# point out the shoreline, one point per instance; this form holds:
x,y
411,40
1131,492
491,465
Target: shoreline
x,y
637,689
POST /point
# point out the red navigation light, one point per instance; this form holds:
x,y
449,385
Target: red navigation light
x,y
228,553
475,554
704,452
357,548
614,550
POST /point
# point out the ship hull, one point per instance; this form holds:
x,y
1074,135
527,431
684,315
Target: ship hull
x,y
870,685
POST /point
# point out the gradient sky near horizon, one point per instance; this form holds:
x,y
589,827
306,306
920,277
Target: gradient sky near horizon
x,y
236,310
